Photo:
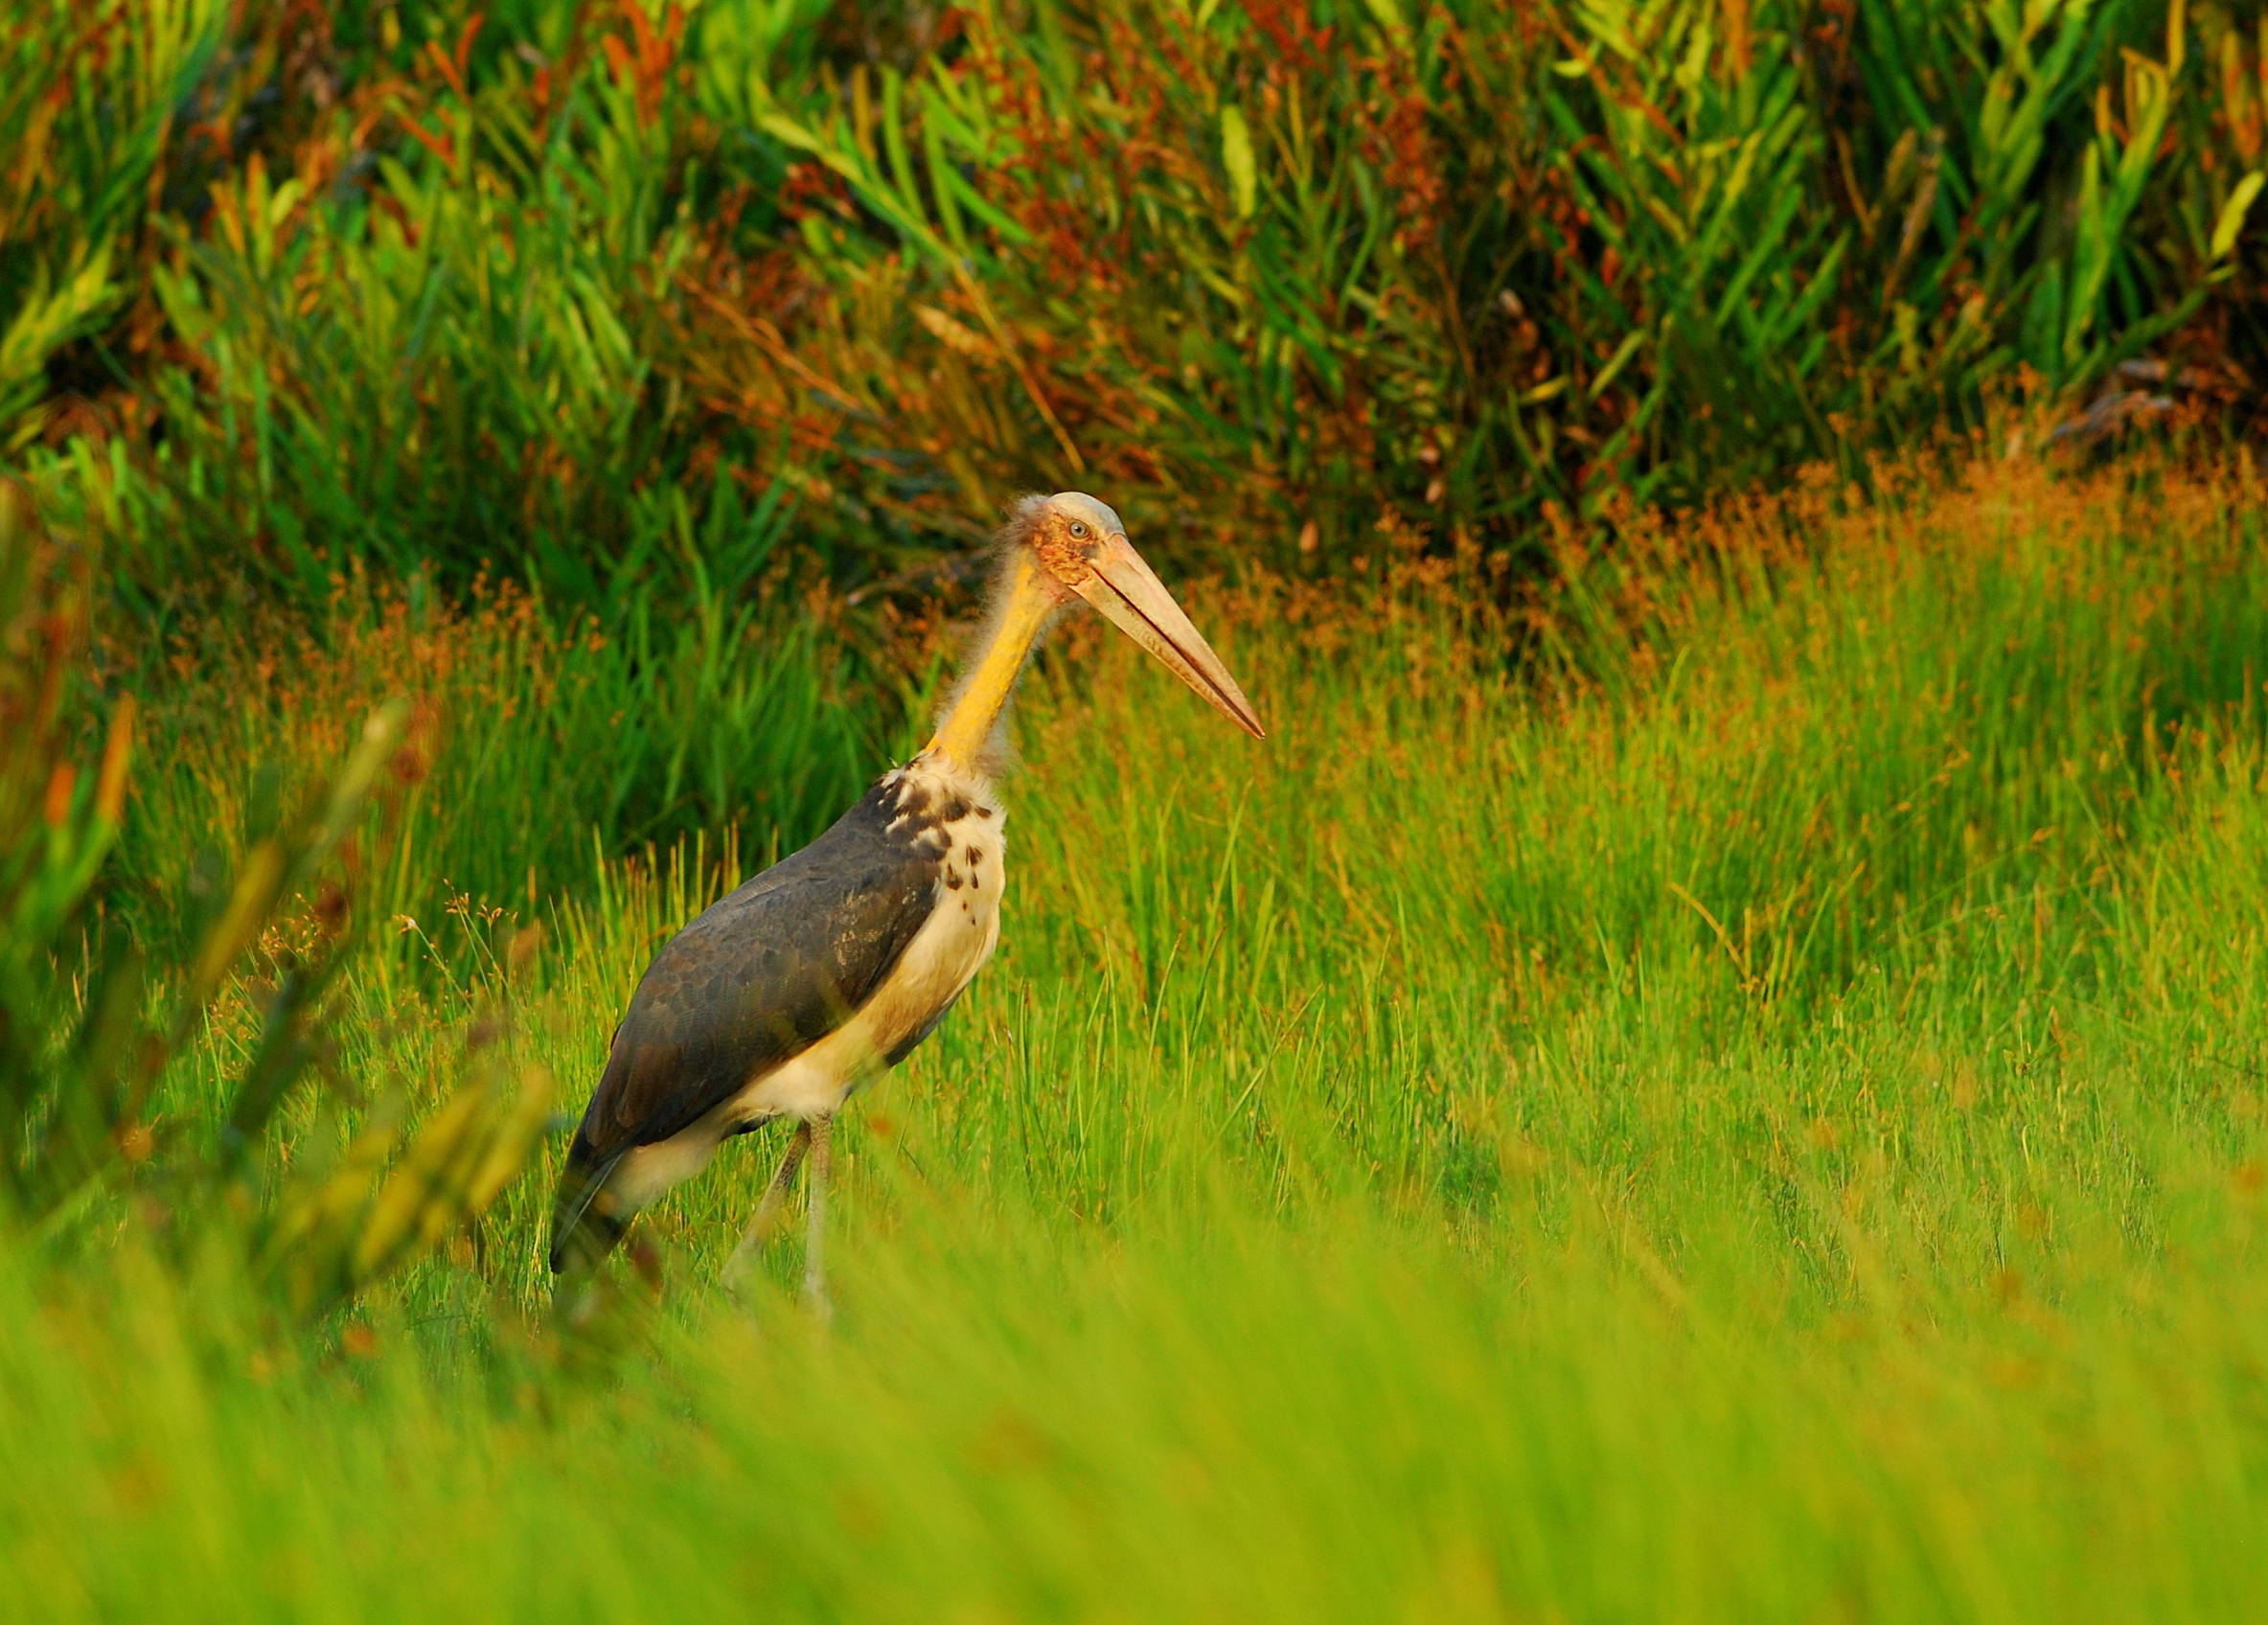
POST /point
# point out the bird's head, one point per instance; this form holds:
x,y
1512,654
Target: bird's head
x,y
1078,548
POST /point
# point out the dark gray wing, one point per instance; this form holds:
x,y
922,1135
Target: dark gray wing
x,y
767,971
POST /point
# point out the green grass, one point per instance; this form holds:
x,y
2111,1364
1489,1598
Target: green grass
x,y
1755,1114
530,741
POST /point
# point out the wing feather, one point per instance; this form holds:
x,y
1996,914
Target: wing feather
x,y
765,973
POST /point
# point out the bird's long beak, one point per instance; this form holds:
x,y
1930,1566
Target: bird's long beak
x,y
1130,596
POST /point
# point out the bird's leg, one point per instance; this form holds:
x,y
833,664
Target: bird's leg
x,y
766,1223
815,1268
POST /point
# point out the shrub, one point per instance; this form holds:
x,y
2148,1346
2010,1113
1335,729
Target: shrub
x,y
510,288
80,1057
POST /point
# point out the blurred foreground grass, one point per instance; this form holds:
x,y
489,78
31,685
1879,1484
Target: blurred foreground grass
x,y
1755,1114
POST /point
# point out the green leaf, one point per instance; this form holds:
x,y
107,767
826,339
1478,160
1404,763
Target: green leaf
x,y
2232,220
1236,154
1623,351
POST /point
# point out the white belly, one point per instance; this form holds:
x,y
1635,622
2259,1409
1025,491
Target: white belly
x,y
947,951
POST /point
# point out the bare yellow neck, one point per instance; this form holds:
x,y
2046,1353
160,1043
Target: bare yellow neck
x,y
1031,598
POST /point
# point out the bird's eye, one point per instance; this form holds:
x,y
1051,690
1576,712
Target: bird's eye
x,y
1078,529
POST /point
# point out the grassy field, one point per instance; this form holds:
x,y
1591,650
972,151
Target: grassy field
x,y
1754,1111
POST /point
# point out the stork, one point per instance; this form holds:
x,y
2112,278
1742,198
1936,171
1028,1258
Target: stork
x,y
787,996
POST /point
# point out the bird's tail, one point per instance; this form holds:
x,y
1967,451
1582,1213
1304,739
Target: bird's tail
x,y
586,1221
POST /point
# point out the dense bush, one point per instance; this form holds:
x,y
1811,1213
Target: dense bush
x,y
561,286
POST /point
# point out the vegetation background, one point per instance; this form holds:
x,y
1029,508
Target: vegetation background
x,y
1710,1068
